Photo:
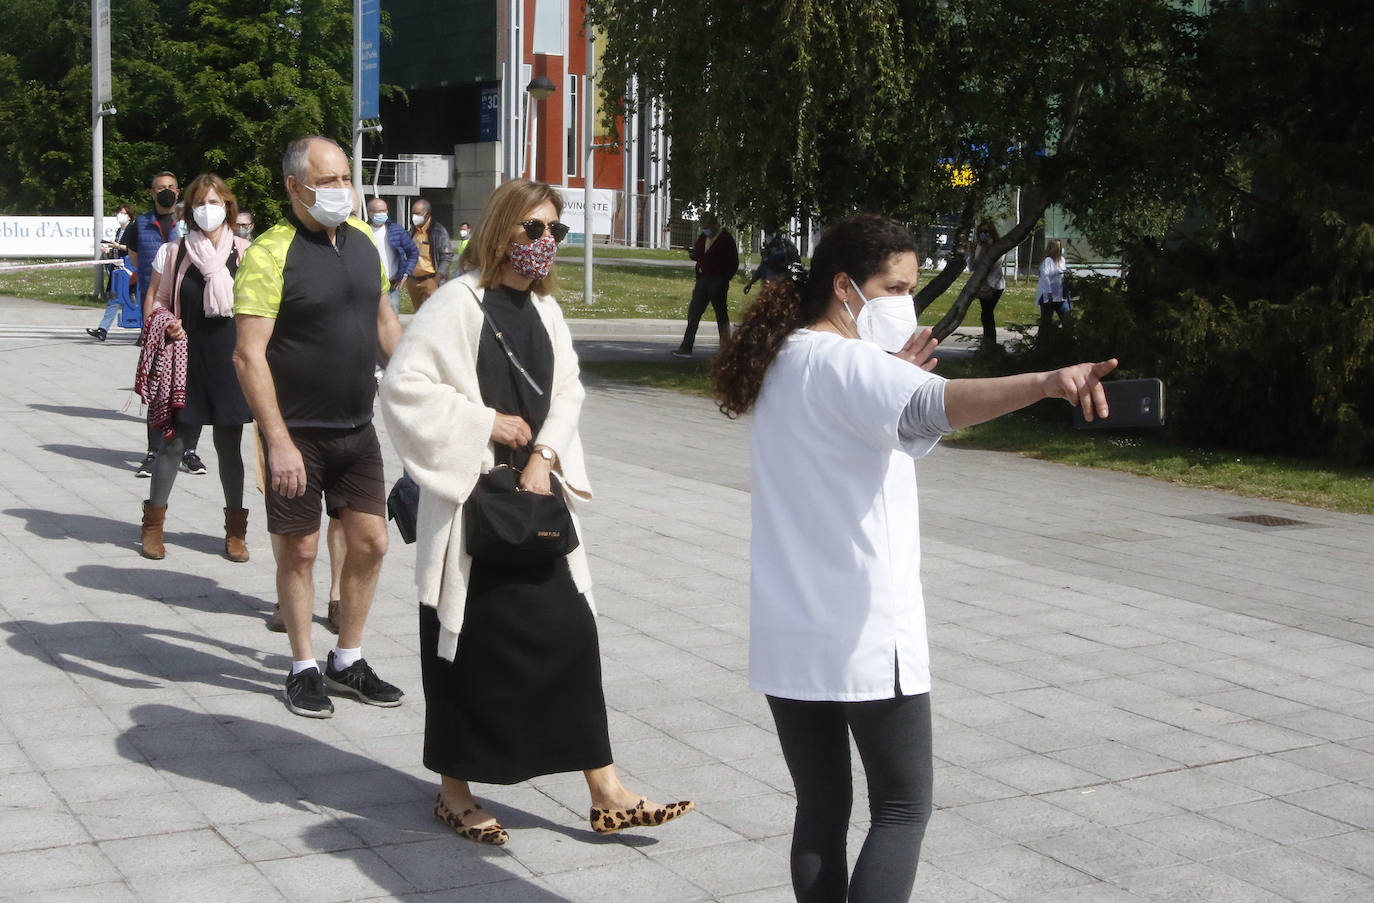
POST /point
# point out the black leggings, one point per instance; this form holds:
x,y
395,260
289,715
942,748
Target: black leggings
x,y
228,440
893,738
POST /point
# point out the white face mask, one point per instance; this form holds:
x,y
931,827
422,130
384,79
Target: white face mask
x,y
887,322
122,219
417,219
332,205
208,216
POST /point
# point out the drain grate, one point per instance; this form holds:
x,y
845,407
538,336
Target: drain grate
x,y
1267,520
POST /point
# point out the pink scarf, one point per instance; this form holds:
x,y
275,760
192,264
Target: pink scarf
x,y
212,259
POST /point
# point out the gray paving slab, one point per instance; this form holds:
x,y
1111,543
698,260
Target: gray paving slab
x,y
1136,697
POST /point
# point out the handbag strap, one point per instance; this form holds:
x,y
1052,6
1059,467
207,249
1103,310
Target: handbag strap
x,y
501,340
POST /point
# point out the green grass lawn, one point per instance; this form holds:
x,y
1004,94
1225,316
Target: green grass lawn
x,y
74,285
618,291
1045,432
663,293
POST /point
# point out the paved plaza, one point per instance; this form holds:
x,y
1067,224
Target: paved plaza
x,y
1138,696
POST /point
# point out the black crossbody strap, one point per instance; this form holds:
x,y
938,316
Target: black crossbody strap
x,y
501,340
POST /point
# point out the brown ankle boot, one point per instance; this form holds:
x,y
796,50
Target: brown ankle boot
x,y
235,534
153,517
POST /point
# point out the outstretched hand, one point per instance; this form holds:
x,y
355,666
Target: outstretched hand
x,y
919,349
1081,384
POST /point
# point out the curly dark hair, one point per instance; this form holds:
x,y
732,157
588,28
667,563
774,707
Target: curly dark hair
x,y
858,246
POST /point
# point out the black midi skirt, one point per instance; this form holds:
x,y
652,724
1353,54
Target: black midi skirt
x,y
523,695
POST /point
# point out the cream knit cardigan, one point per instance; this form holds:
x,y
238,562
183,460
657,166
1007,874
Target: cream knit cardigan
x,y
432,406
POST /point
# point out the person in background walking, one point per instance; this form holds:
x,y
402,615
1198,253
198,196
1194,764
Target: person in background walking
x,y
717,259
1051,293
119,248
994,284
197,287
836,374
431,269
399,253
464,234
243,226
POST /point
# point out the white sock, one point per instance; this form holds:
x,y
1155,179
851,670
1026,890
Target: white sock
x,y
345,657
298,667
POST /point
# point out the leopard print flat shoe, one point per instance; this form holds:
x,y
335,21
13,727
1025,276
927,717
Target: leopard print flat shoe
x,y
609,821
492,834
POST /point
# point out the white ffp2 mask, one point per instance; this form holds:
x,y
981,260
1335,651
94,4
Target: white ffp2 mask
x,y
887,322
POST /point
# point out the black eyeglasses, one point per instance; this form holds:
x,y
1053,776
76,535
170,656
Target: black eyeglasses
x,y
534,229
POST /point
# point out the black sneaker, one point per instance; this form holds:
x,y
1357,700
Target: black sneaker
x,y
360,680
145,470
305,695
96,333
678,352
191,463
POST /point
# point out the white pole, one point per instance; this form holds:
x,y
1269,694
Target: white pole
x,y
631,150
97,148
359,205
534,139
588,177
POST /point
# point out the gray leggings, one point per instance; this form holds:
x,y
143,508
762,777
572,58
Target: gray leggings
x,y
227,449
893,738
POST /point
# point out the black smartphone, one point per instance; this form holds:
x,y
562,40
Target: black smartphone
x,y
1133,404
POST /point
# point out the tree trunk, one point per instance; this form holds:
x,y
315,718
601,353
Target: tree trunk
x,y
1052,189
945,278
983,265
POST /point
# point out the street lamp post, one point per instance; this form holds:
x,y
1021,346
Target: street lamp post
x,y
539,89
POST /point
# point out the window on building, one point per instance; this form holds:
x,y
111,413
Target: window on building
x,y
573,117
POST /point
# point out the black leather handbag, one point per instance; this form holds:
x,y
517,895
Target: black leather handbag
x,y
503,523
403,506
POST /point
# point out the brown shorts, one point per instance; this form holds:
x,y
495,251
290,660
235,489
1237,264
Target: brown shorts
x,y
342,465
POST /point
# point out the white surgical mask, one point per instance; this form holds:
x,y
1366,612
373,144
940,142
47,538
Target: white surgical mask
x,y
332,205
122,219
379,219
417,219
208,216
887,322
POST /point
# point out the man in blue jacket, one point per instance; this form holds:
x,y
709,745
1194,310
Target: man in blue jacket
x,y
399,252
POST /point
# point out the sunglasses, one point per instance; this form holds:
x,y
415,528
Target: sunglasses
x,y
534,229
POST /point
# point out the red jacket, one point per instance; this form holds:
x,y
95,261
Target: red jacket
x,y
721,260
161,377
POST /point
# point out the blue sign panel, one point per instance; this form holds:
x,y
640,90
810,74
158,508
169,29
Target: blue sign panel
x,y
489,115
370,59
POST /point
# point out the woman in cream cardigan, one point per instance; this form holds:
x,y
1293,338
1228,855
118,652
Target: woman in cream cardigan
x,y
509,655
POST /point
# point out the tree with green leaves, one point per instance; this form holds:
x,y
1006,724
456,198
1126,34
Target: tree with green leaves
x,y
788,108
200,86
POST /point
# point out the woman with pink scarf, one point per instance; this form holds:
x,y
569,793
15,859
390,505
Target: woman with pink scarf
x,y
197,287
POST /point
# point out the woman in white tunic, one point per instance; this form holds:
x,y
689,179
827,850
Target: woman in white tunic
x,y
836,374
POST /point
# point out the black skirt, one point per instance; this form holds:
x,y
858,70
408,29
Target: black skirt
x,y
213,395
523,694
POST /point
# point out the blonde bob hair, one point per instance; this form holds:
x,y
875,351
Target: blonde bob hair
x,y
500,221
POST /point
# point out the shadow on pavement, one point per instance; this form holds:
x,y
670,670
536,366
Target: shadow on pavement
x,y
177,588
92,530
110,457
368,811
87,413
101,649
